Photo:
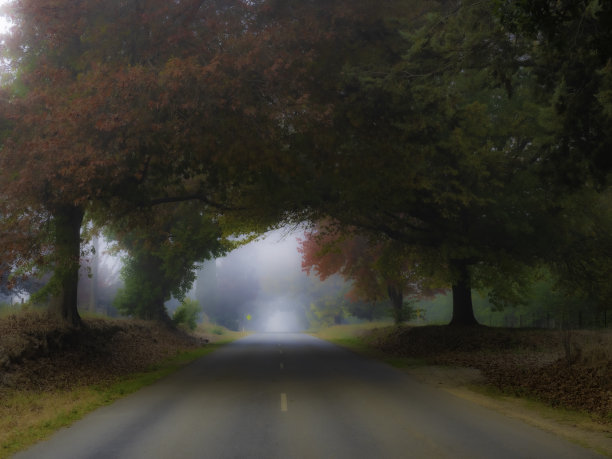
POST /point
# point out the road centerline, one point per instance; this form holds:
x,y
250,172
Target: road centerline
x,y
283,402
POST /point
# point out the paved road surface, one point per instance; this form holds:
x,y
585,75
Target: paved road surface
x,y
293,396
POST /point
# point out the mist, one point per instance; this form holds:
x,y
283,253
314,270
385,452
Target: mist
x,y
258,287
261,286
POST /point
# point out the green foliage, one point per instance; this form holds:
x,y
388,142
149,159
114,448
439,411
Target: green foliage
x,y
162,257
472,134
567,51
406,313
326,312
433,153
187,314
368,310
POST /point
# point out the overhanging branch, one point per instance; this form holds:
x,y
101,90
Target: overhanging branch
x,y
194,197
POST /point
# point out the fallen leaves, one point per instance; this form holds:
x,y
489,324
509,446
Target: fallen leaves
x,y
40,354
517,361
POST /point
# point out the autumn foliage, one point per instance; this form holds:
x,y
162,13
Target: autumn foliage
x,y
379,270
426,125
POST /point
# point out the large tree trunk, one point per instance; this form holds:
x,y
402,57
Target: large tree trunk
x,y
463,311
157,308
397,302
159,312
63,304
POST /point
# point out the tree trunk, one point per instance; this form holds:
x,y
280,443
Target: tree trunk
x,y
397,302
463,311
95,269
63,304
159,312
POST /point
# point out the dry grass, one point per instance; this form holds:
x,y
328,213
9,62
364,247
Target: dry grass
x,y
51,375
29,416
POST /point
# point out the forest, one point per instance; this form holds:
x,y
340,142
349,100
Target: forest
x,y
441,152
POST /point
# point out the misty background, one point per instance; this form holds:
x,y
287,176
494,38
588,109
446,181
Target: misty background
x,y
259,286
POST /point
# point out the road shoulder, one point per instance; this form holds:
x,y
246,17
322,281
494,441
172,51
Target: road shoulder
x,y
469,384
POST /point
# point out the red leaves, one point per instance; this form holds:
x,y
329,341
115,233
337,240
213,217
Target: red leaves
x,y
372,266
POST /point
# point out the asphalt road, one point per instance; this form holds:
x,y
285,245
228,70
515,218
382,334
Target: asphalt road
x,y
293,396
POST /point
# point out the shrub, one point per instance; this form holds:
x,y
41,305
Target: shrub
x,y
186,314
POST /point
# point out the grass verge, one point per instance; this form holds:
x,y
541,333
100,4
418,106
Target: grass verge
x,y
27,417
218,333
355,338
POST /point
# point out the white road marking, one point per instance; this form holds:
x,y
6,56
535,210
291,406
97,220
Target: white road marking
x,y
283,402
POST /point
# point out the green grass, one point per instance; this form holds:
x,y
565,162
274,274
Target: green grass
x,y
8,310
218,333
348,331
353,337
27,417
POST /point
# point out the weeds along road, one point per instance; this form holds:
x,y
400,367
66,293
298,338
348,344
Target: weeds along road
x,y
294,396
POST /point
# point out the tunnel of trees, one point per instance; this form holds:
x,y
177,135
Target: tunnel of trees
x,y
442,144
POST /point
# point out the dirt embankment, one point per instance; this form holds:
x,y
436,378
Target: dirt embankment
x,y
567,369
40,354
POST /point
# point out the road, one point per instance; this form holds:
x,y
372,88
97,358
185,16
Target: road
x,y
294,396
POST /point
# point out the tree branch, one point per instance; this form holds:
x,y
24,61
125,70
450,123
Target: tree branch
x,y
194,197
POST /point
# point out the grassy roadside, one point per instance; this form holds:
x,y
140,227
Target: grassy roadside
x,y
28,416
469,383
357,338
218,333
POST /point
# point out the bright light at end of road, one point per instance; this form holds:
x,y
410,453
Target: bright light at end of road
x,y
282,322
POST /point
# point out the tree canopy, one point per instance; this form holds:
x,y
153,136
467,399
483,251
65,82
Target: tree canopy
x,y
473,134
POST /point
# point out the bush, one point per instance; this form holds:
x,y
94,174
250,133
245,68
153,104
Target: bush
x,y
218,331
186,314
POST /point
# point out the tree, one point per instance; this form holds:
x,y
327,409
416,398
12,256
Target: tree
x,y
568,51
162,257
117,106
424,147
412,121
378,270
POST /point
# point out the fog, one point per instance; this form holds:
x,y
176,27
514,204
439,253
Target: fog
x,y
261,286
